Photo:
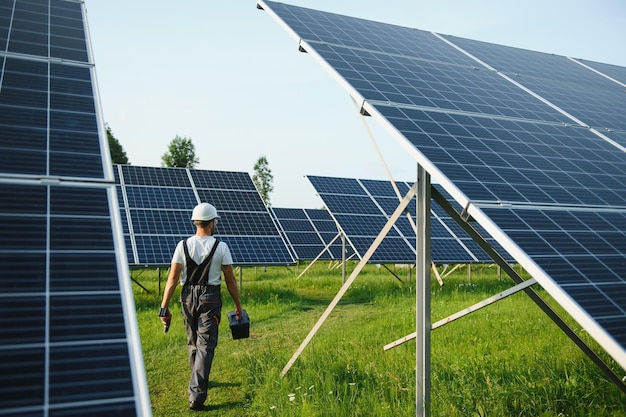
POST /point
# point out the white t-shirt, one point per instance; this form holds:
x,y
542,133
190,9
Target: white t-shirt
x,y
199,248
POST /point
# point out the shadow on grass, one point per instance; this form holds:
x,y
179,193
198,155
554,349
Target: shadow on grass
x,y
224,405
217,384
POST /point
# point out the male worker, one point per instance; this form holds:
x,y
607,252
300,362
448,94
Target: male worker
x,y
198,262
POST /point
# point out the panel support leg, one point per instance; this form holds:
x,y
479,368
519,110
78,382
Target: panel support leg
x,y
422,290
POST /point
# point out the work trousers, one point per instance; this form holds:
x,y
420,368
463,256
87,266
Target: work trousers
x,y
201,309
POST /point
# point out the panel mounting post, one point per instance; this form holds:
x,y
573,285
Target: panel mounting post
x,y
422,291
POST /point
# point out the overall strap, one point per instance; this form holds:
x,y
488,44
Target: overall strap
x,y
198,274
187,257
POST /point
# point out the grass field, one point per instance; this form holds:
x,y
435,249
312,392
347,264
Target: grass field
x,y
507,359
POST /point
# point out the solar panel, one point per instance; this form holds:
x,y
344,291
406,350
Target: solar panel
x,y
525,142
157,202
362,207
613,72
309,232
595,100
70,342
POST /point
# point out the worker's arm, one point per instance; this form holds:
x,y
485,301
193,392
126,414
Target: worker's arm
x,y
231,284
172,282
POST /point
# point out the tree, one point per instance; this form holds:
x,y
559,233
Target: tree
x,y
118,155
181,153
263,178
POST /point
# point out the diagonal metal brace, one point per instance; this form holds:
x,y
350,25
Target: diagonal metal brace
x,y
499,260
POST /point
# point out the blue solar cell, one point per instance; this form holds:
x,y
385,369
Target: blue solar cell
x,y
172,177
24,366
391,250
161,222
305,238
390,204
29,30
257,224
67,37
30,106
290,213
266,251
346,186
33,330
222,180
156,249
325,225
165,198
295,225
67,272
309,252
72,317
234,200
384,188
352,204
72,378
358,225
318,214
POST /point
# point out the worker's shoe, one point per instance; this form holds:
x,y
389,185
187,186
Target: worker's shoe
x,y
196,405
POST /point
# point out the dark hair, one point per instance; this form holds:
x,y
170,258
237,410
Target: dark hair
x,y
202,223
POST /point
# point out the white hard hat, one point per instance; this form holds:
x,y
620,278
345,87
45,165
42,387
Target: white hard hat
x,y
204,212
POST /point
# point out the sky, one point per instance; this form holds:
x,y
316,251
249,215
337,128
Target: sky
x,y
227,76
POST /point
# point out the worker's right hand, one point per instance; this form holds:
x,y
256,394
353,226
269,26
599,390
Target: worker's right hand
x,y
167,319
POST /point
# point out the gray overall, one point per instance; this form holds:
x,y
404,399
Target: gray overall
x,y
201,310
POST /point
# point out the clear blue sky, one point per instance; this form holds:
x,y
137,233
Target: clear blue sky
x,y
230,78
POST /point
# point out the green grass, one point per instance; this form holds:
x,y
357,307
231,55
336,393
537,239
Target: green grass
x,y
507,359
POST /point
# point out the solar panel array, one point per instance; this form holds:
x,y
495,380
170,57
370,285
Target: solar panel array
x,y
156,205
309,233
70,344
362,207
532,145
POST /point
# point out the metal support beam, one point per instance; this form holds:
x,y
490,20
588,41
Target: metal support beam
x,y
468,310
392,273
434,268
422,291
343,258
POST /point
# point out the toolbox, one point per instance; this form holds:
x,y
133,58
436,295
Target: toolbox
x,y
239,328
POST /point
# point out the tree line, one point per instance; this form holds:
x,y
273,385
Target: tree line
x,y
181,153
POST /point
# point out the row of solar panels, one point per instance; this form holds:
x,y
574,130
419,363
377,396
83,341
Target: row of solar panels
x,y
155,205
